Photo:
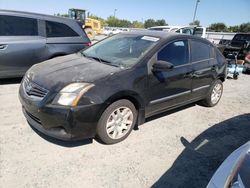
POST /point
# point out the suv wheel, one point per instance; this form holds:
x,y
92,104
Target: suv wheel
x,y
117,122
214,94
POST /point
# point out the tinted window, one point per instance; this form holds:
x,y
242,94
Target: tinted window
x,y
199,51
244,37
55,29
220,57
18,26
175,53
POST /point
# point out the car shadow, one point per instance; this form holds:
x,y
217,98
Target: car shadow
x,y
6,81
69,144
201,157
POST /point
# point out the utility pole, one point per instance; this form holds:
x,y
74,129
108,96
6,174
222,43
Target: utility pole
x,y
195,9
115,12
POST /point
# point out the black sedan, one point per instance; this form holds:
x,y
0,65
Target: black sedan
x,y
111,87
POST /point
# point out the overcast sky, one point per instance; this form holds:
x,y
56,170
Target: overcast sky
x,y
175,12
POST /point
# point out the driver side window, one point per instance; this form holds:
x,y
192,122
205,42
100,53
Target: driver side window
x,y
175,53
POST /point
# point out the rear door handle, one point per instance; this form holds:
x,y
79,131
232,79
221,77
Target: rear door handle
x,y
3,46
188,75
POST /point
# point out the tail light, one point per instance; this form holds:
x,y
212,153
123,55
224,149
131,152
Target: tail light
x,y
88,44
248,57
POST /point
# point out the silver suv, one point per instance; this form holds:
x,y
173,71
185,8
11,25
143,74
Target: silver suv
x,y
30,38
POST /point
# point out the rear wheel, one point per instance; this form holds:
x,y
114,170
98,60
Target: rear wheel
x,y
214,94
90,33
117,122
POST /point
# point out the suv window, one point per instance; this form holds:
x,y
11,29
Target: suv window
x,y
199,51
18,26
175,53
220,58
55,29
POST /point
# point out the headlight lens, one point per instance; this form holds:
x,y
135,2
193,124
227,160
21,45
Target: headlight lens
x,y
71,94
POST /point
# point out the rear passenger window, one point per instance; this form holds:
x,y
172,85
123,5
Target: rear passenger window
x,y
55,29
175,53
220,58
18,26
199,51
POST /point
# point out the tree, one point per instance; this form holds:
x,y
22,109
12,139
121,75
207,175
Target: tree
x,y
103,21
245,27
196,23
218,27
115,22
62,15
161,22
124,23
137,24
234,29
151,22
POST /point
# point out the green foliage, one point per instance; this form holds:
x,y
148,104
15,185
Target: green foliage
x,y
115,22
151,22
221,27
245,27
233,29
137,24
62,15
103,21
161,22
218,27
196,23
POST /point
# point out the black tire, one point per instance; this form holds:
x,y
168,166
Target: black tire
x,y
102,134
235,76
208,100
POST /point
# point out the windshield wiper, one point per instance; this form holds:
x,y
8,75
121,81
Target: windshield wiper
x,y
101,60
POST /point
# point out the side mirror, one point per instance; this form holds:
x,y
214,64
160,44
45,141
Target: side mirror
x,y
162,66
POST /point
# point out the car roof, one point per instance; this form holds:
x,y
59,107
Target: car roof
x,y
165,35
165,26
33,15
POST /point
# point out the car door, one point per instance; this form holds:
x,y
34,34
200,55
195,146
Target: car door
x,y
20,45
171,87
203,67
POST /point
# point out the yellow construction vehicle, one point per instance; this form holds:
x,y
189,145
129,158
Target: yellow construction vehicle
x,y
91,26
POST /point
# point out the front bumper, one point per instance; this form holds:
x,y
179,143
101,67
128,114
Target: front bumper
x,y
63,123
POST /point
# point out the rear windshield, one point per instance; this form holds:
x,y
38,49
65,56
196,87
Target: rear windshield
x,y
243,37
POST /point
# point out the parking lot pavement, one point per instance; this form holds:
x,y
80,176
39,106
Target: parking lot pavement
x,y
181,149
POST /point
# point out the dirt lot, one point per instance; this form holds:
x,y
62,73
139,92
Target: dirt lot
x,y
180,149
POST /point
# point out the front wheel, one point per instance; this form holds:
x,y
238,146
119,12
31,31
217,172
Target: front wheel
x,y
117,122
214,94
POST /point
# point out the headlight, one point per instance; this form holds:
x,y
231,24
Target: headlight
x,y
71,94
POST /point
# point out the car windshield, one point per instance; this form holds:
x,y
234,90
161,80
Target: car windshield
x,y
121,50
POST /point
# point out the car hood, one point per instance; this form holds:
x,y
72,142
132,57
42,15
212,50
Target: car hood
x,y
59,72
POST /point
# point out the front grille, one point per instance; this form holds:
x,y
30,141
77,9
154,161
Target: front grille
x,y
32,89
36,119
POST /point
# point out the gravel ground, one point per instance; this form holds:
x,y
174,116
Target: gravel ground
x,y
178,149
